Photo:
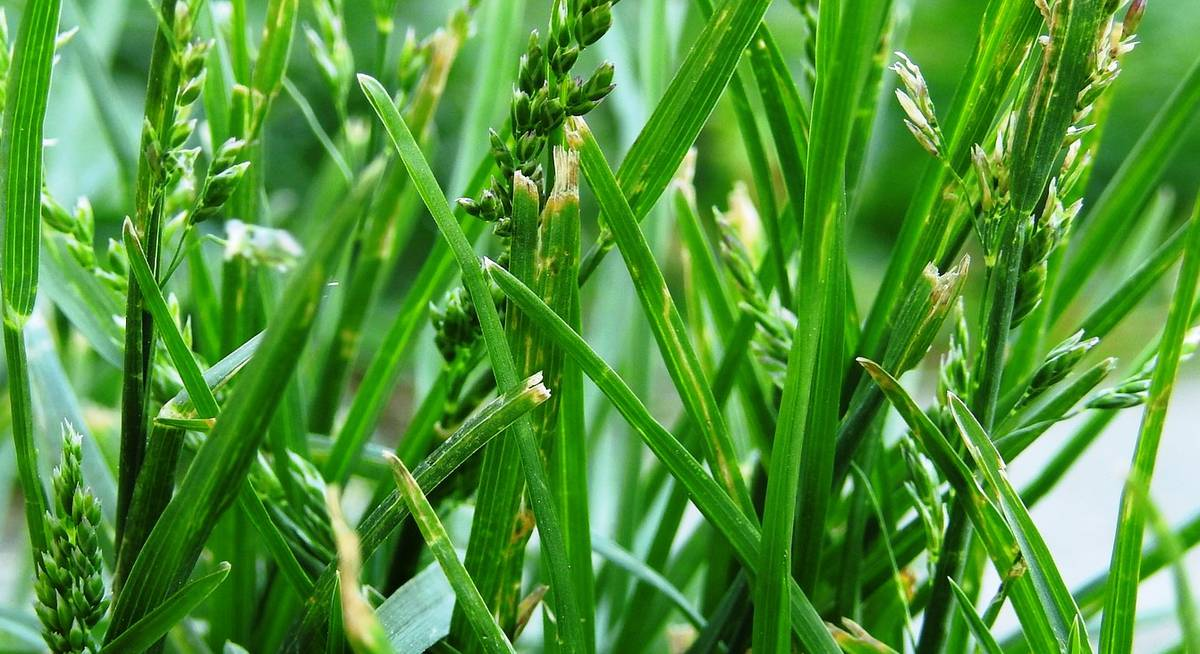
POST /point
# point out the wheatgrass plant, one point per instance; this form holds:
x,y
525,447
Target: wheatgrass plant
x,y
255,358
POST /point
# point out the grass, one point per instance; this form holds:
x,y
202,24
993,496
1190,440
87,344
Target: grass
x,y
240,346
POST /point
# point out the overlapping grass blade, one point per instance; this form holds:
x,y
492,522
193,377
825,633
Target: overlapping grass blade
x,y
665,321
685,107
800,478
221,464
1001,544
1036,555
199,393
549,528
708,496
386,516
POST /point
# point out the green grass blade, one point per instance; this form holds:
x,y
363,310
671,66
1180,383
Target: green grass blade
x,y
271,64
21,156
386,516
1050,106
21,176
1185,601
151,628
799,482
219,375
1116,634
983,636
625,560
987,519
664,318
685,107
486,630
1136,286
181,355
273,541
1036,555
563,415
495,552
82,298
708,496
503,366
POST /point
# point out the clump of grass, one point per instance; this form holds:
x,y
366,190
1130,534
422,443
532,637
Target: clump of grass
x,y
318,420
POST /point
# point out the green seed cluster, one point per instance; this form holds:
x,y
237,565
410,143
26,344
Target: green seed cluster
x,y
1059,363
224,174
1135,390
329,47
1046,233
71,596
544,96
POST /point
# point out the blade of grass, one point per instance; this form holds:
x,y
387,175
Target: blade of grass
x,y
684,109
800,478
665,321
549,528
1001,544
496,549
21,176
159,118
151,628
389,223
626,561
490,636
1185,602
983,636
1036,555
1116,632
386,516
181,355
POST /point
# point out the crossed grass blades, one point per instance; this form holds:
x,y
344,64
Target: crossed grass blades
x,y
247,408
